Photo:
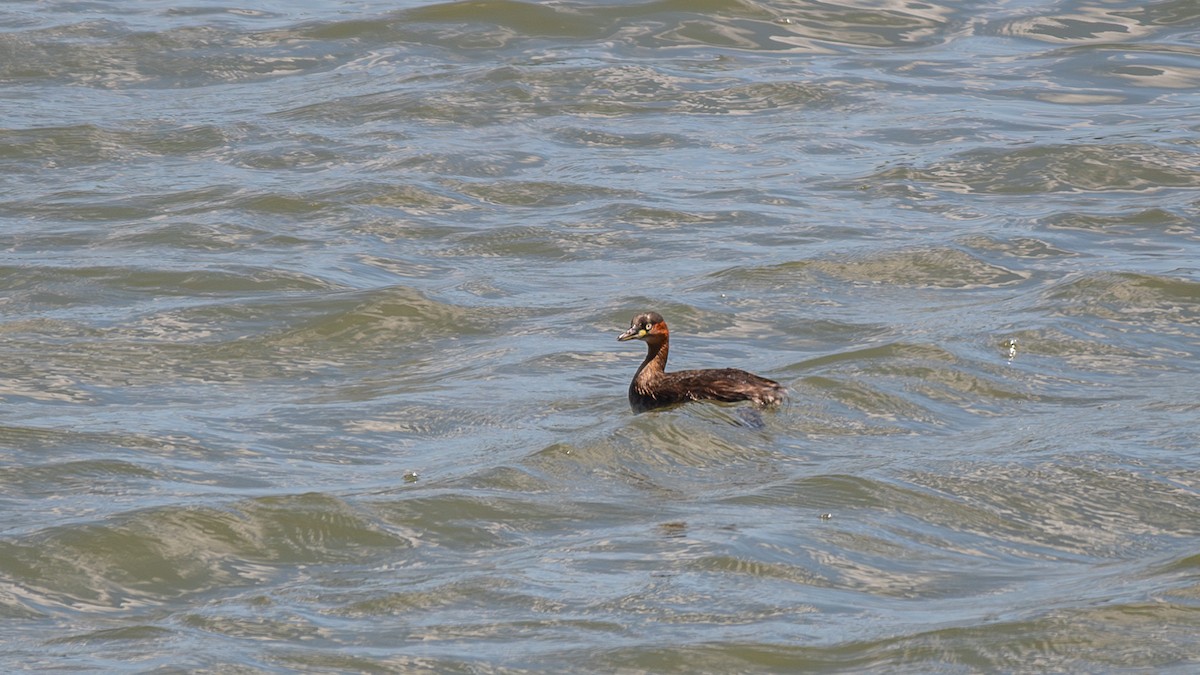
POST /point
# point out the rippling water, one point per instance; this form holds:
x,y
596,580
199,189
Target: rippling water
x,y
309,319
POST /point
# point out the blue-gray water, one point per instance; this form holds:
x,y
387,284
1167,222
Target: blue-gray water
x,y
308,357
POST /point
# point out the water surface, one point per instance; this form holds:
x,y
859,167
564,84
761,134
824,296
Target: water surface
x,y
309,320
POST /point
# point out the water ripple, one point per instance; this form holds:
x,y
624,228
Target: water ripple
x,y
309,316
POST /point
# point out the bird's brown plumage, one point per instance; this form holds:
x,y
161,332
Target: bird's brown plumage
x,y
652,387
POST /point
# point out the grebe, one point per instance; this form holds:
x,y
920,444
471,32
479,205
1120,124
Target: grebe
x,y
653,387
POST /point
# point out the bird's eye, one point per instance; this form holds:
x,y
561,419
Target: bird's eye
x,y
646,327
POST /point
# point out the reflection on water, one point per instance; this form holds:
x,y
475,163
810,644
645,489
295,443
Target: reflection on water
x,y
308,318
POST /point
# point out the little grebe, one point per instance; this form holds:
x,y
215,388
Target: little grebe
x,y
653,387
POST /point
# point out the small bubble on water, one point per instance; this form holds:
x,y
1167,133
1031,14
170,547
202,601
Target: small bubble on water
x,y
1010,348
826,516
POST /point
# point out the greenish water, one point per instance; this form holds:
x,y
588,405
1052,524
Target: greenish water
x,y
309,316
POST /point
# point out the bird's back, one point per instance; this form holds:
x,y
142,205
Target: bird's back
x,y
722,384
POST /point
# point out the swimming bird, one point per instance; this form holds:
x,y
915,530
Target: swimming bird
x,y
652,387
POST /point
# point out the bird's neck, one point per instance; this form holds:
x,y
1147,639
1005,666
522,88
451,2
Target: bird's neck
x,y
656,360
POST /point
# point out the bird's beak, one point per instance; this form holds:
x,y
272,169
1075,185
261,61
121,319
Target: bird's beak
x,y
631,334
